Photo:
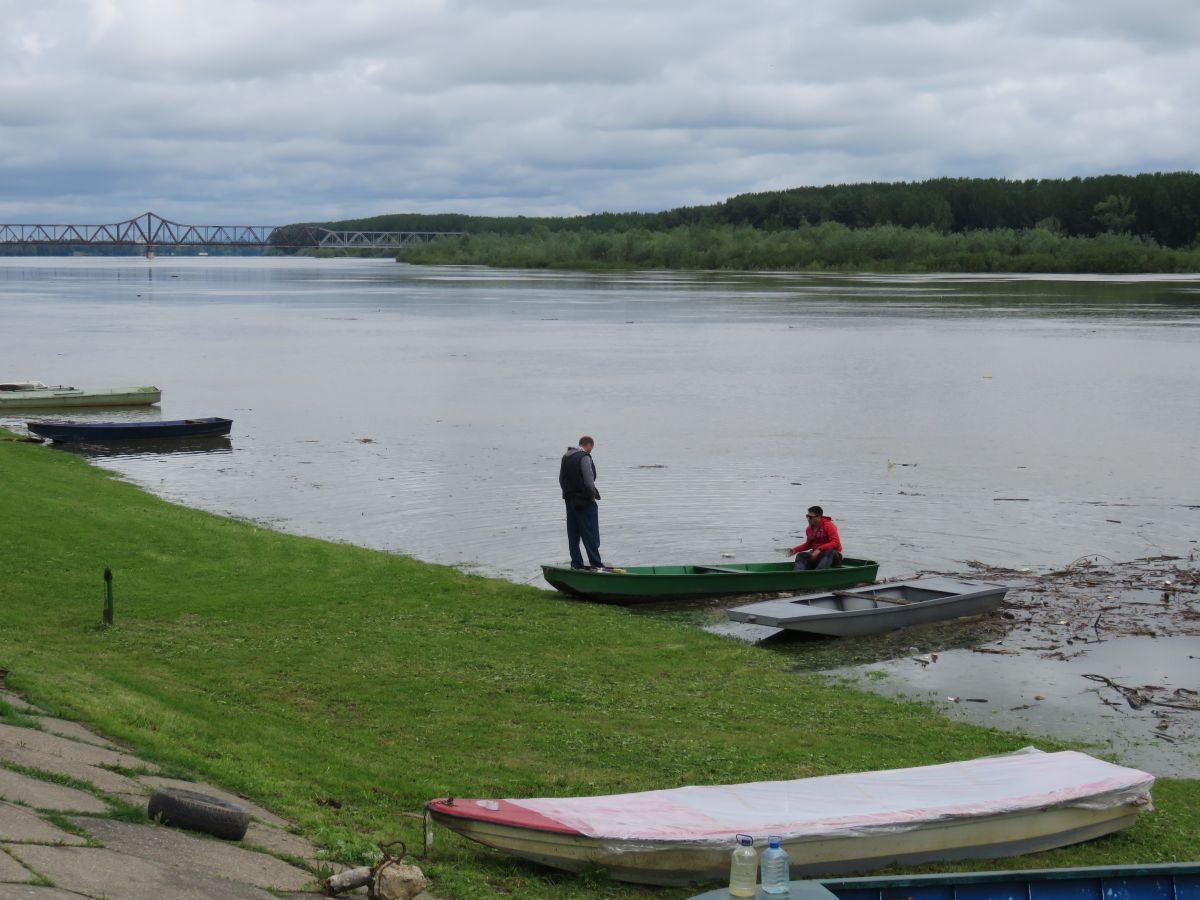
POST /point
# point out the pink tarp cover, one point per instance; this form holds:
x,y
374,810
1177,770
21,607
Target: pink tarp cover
x,y
891,800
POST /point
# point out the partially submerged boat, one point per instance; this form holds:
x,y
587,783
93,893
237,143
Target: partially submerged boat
x,y
35,395
875,608
108,432
647,584
1156,881
1022,802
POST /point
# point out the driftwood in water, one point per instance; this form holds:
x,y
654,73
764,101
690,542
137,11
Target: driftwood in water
x,y
1139,697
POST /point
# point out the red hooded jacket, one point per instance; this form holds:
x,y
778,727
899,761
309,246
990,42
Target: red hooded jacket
x,y
822,536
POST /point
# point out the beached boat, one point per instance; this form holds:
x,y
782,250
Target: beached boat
x,y
107,432
1156,881
997,806
875,608
647,584
35,395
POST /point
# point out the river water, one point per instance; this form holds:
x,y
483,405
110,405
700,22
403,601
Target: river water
x,y
1018,421
1021,422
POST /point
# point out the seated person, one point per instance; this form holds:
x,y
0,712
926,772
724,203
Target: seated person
x,y
822,548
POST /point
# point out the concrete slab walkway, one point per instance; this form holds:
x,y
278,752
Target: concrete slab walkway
x,y
44,856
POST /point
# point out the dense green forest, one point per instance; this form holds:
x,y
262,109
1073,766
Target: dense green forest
x,y
1111,223
827,247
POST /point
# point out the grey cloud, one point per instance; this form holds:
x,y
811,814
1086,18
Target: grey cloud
x,y
265,110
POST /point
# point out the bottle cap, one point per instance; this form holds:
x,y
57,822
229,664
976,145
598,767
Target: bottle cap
x,y
745,840
774,840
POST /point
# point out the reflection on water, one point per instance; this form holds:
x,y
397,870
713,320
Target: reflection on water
x,y
88,414
118,450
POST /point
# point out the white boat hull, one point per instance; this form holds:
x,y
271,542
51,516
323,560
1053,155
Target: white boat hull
x,y
650,862
60,398
1001,806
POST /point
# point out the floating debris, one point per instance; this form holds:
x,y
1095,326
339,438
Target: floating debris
x,y
1152,695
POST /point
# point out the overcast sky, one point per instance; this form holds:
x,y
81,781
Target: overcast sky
x,y
276,111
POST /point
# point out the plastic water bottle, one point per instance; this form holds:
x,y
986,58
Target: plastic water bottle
x,y
743,869
775,867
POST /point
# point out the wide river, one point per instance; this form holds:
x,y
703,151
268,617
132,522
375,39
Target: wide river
x,y
1023,422
1017,422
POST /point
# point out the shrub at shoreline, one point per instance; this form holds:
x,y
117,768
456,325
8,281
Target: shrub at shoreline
x,y
828,247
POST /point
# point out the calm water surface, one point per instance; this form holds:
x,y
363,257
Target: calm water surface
x,y
1018,421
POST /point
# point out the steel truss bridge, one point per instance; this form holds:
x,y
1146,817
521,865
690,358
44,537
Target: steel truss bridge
x,y
149,231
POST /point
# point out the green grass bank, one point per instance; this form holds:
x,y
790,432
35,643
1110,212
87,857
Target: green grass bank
x,y
299,671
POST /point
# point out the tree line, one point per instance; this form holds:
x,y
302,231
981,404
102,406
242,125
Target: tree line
x,y
1110,223
826,247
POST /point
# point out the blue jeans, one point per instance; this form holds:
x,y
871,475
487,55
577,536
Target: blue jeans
x,y
584,525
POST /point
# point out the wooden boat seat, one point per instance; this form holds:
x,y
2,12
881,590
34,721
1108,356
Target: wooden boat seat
x,y
897,601
720,570
786,610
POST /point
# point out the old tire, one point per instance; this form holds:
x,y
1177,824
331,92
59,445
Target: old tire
x,y
199,812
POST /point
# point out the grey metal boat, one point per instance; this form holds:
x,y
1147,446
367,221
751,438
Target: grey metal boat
x,y
875,608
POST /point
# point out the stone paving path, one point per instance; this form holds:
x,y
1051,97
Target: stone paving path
x,y
39,860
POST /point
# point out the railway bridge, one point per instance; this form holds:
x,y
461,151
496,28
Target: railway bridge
x,y
149,231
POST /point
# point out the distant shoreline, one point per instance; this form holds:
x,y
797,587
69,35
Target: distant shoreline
x,y
825,248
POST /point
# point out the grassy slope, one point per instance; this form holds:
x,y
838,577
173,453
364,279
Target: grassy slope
x,y
294,670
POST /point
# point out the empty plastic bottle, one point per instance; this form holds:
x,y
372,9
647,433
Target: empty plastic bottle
x,y
775,867
743,868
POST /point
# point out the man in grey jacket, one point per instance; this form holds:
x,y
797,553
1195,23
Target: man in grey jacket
x,y
577,478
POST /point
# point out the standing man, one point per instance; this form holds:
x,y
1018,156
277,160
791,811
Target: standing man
x,y
577,478
822,548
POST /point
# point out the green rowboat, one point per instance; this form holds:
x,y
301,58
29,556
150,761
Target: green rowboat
x,y
649,584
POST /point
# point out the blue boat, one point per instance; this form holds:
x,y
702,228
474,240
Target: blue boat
x,y
1160,881
108,432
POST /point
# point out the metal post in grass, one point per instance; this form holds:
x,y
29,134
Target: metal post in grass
x,y
108,596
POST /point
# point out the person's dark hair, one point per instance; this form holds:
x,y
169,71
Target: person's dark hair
x,y
816,510
586,440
